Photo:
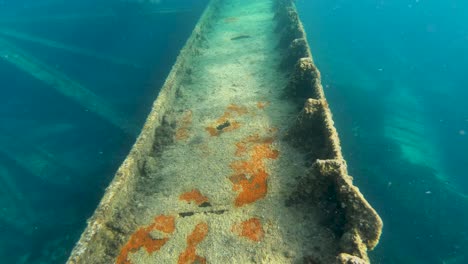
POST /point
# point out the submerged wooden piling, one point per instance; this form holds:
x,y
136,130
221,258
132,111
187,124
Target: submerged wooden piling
x,y
34,160
68,48
64,85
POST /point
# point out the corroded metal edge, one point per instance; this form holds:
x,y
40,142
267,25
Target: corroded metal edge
x,y
363,225
133,165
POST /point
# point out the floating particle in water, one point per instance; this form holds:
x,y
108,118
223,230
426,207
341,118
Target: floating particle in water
x,y
251,229
462,132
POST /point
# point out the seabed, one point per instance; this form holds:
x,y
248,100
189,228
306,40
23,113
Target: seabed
x,y
238,161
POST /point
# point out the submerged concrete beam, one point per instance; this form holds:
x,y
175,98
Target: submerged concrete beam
x,y
63,84
69,48
210,163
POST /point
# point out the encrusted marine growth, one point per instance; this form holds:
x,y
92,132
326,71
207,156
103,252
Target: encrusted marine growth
x,y
364,226
304,79
297,49
309,131
288,26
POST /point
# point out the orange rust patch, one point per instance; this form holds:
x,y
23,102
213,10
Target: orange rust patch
x,y
255,138
251,229
195,196
190,256
240,110
250,190
241,148
213,132
250,176
262,105
142,238
164,224
225,117
226,122
182,132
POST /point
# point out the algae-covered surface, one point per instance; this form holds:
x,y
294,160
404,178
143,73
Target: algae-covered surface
x,y
226,170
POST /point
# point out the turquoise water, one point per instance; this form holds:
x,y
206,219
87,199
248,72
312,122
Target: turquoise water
x,y
394,73
57,155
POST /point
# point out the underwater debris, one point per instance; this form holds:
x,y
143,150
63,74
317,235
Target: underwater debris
x,y
251,229
185,214
218,212
205,204
241,37
223,125
194,196
226,122
250,177
190,256
143,238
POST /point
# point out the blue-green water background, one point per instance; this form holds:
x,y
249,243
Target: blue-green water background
x,y
42,217
394,73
